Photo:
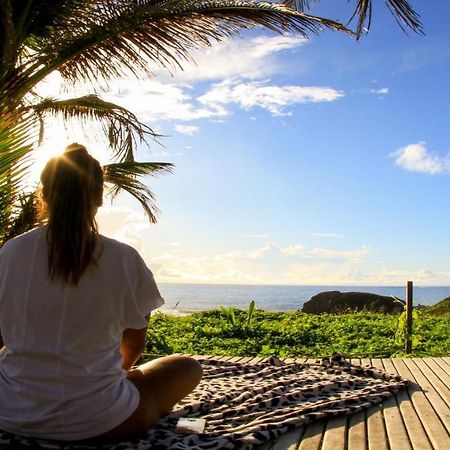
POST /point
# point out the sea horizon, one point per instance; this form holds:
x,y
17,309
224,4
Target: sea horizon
x,y
189,297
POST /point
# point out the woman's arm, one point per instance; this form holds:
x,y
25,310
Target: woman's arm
x,y
132,346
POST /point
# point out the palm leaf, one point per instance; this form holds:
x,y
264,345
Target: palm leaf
x,y
122,37
123,129
124,177
14,164
21,215
15,136
402,11
404,14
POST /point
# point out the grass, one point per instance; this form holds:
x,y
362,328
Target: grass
x,y
232,332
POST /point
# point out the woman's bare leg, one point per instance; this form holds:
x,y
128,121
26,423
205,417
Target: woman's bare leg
x,y
162,383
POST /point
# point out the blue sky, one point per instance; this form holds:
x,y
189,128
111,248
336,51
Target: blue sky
x,y
298,162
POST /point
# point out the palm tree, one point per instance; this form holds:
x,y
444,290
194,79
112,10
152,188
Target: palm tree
x,y
96,41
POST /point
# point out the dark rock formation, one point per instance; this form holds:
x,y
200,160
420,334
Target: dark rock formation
x,y
342,302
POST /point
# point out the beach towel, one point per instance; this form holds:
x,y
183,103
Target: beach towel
x,y
247,404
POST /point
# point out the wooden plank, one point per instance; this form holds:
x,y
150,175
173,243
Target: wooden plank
x,y
289,360
376,431
366,362
300,360
258,359
426,378
440,378
446,359
215,358
312,437
334,437
430,421
441,363
233,359
357,430
246,359
395,428
357,434
290,440
414,429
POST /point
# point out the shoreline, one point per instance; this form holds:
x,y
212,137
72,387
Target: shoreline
x,y
192,298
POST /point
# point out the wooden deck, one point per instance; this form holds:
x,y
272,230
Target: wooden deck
x,y
417,418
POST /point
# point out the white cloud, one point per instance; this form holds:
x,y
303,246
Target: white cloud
x,y
174,244
173,98
124,225
272,263
417,158
187,129
381,91
422,276
270,97
324,235
259,253
177,102
354,256
249,58
268,264
152,101
292,250
257,236
325,274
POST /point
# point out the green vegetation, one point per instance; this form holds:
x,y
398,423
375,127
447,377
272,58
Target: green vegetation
x,y
439,309
233,332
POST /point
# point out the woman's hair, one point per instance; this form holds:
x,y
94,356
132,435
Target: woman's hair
x,y
72,188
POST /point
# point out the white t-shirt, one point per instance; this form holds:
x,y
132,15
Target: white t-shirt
x,y
60,369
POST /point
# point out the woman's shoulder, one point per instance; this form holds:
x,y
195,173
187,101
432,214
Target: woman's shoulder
x,y
112,246
23,241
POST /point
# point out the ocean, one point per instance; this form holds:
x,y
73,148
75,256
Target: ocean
x,y
194,297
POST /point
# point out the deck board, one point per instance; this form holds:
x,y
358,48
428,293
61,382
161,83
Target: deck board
x,y
430,421
427,417
416,435
396,432
335,433
417,418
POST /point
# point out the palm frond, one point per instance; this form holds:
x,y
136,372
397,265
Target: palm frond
x,y
404,14
14,150
21,215
14,165
124,177
122,128
123,37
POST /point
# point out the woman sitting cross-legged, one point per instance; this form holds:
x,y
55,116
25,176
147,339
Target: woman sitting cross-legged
x,y
74,309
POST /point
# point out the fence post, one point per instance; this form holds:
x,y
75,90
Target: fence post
x,y
409,316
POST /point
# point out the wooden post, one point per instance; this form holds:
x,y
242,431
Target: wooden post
x,y
409,318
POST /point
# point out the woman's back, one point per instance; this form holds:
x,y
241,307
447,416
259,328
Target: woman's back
x,y
61,363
